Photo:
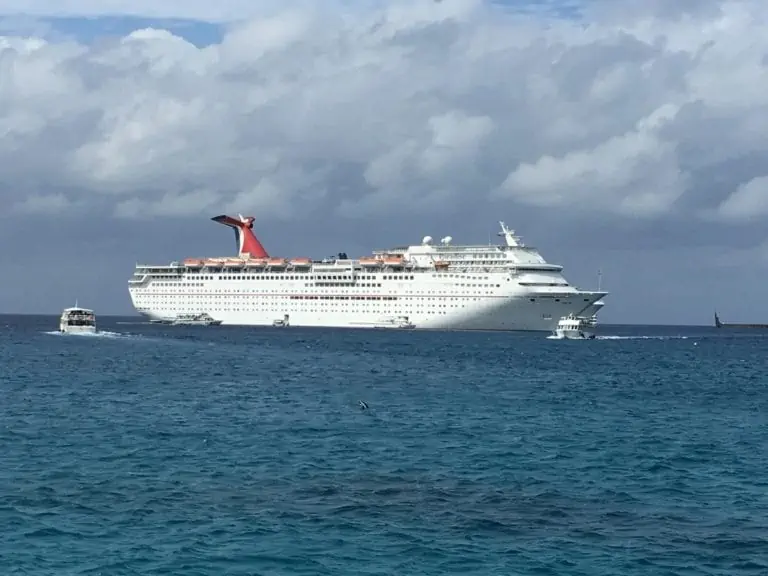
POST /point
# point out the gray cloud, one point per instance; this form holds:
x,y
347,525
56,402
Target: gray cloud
x,y
424,101
643,129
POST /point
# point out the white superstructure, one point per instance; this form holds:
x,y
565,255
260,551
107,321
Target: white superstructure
x,y
572,327
77,320
431,285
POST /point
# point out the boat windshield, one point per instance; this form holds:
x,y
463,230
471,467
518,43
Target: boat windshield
x,y
80,319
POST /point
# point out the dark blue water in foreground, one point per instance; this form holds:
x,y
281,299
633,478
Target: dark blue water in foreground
x,y
211,451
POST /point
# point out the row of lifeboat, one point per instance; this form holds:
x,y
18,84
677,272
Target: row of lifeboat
x,y
397,261
247,262
393,261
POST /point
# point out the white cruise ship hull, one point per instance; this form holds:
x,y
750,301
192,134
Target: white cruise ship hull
x,y
493,312
427,286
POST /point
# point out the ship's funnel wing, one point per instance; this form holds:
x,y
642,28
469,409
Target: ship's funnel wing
x,y
247,243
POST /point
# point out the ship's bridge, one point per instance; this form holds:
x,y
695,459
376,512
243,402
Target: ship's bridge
x,y
512,255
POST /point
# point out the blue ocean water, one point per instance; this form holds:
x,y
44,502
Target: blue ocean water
x,y
210,451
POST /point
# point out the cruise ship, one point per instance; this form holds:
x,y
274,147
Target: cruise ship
x,y
431,285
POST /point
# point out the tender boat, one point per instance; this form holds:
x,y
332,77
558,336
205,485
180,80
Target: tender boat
x,y
282,323
572,327
201,319
77,320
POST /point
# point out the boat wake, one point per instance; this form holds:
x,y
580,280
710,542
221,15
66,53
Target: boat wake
x,y
554,337
642,337
99,334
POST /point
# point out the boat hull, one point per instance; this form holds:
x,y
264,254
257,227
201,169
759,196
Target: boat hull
x,y
517,313
65,329
561,334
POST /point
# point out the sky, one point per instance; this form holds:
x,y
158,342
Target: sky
x,y
629,137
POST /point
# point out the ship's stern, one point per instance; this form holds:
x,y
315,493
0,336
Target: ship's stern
x,y
141,299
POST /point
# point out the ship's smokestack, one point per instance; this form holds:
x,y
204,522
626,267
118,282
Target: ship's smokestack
x,y
247,243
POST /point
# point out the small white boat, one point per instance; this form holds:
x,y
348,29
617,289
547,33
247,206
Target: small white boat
x,y
282,323
201,319
77,320
574,328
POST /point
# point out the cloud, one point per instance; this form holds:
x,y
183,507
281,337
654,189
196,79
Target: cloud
x,y
749,201
421,107
636,174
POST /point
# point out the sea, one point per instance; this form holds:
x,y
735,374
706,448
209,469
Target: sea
x,y
208,451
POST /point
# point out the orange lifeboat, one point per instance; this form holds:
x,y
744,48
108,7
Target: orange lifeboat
x,y
256,263
301,262
193,263
393,260
441,264
276,262
370,261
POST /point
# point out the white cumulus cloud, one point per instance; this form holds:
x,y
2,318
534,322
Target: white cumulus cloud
x,y
393,106
749,201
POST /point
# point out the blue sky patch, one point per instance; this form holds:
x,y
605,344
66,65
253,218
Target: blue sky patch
x,y
200,33
87,30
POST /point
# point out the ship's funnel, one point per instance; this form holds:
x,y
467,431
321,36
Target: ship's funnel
x,y
247,243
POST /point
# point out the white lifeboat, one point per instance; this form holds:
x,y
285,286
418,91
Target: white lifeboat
x,y
370,262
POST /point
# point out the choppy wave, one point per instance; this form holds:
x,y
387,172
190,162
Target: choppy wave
x,y
246,452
